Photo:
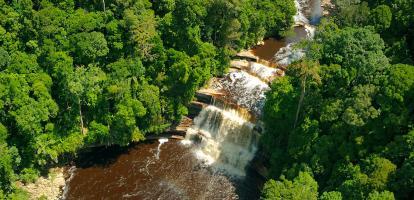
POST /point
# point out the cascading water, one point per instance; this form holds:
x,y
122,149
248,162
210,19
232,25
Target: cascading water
x,y
300,18
223,136
311,8
225,139
316,11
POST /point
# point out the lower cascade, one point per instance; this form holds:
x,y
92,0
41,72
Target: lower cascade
x,y
221,136
224,138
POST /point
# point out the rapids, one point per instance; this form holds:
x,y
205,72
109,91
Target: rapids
x,y
213,161
136,173
227,140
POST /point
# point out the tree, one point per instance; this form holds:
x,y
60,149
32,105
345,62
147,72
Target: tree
x,y
163,7
395,98
381,17
142,31
6,170
4,58
385,195
333,195
306,71
84,21
302,187
403,181
85,86
87,47
275,24
351,13
379,171
357,50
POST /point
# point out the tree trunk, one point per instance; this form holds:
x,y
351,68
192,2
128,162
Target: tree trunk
x,y
80,115
103,2
302,96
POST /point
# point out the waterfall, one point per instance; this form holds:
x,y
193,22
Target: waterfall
x,y
224,139
161,142
289,54
300,18
246,90
317,12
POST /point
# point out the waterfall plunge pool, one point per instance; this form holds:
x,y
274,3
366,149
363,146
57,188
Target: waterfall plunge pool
x,y
135,173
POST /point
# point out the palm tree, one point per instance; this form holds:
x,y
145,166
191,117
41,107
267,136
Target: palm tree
x,y
306,70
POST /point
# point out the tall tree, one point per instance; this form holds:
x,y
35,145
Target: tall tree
x,y
307,71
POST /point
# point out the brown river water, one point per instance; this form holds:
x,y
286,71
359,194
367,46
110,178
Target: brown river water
x,y
170,170
271,46
137,173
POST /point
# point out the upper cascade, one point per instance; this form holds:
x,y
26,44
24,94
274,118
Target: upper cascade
x,y
261,71
313,10
245,90
226,138
300,18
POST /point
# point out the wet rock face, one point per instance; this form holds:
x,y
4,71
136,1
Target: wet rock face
x,y
245,90
220,143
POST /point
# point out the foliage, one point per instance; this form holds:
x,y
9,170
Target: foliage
x,y
79,73
29,175
392,19
334,195
302,187
354,115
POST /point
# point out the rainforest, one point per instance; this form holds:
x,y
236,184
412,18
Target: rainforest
x,y
207,99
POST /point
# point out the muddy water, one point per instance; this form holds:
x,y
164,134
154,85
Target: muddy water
x,y
170,170
268,50
136,173
271,46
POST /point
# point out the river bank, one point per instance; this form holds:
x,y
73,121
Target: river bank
x,y
214,161
47,187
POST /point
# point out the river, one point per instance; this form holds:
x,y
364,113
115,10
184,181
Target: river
x,y
213,161
136,173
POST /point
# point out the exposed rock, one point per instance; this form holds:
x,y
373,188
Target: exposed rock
x,y
239,64
328,7
248,55
50,186
176,131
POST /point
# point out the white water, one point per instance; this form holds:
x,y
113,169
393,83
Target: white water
x,y
300,18
161,141
246,90
224,139
263,72
289,54
66,188
317,11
